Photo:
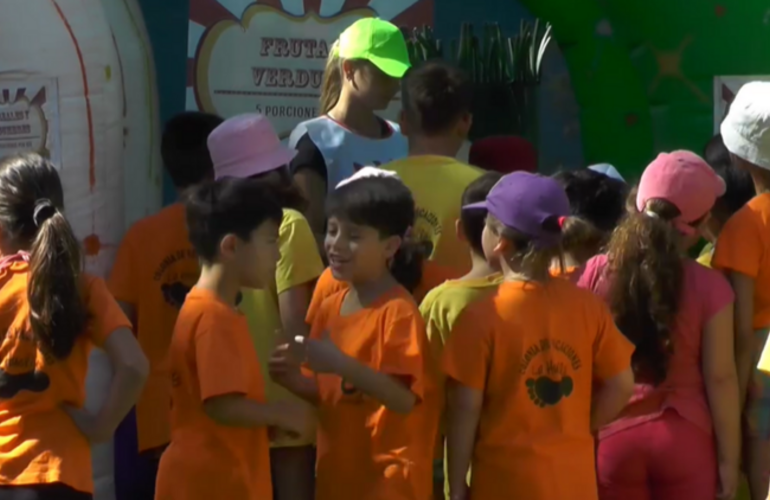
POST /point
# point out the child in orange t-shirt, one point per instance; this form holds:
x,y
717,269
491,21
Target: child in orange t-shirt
x,y
154,269
51,314
373,379
520,363
219,421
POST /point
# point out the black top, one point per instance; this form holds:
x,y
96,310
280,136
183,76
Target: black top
x,y
310,157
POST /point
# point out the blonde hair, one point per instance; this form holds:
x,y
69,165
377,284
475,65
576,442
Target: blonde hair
x,y
331,86
537,262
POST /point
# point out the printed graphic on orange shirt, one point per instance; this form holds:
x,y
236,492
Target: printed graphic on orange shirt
x,y
175,284
548,368
427,230
19,370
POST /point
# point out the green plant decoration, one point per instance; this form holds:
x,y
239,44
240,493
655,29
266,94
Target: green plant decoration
x,y
506,72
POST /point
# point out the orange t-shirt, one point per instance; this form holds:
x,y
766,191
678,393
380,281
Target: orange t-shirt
x,y
534,350
364,450
743,246
327,285
154,269
211,355
40,442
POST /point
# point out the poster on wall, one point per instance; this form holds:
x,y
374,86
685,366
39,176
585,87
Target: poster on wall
x,y
269,56
29,117
725,88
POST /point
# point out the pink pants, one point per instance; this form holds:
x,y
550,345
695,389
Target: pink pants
x,y
668,458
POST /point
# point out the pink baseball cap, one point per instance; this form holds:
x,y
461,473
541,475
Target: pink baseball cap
x,y
247,145
685,180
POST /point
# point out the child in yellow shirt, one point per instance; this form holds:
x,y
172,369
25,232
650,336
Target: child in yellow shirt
x,y
443,305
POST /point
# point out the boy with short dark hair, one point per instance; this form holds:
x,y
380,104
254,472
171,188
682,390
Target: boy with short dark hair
x,y
443,305
154,269
436,118
219,418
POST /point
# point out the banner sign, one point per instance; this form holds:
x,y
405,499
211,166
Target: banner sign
x,y
725,88
269,56
29,117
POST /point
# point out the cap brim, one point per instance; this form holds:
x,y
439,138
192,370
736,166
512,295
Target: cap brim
x,y
482,205
395,68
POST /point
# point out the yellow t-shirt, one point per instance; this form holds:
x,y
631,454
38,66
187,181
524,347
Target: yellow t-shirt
x,y
441,308
299,264
437,184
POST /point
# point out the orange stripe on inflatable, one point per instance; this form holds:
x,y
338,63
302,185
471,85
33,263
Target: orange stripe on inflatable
x,y
86,93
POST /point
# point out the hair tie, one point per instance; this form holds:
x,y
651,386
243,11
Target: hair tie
x,y
561,220
650,213
44,210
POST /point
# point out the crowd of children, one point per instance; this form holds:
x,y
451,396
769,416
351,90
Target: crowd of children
x,y
307,325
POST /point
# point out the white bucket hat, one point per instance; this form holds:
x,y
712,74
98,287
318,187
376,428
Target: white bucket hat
x,y
608,170
746,128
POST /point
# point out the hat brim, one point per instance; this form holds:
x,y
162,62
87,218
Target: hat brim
x,y
482,205
393,67
244,169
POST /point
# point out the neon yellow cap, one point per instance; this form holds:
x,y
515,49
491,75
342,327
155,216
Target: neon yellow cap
x,y
378,42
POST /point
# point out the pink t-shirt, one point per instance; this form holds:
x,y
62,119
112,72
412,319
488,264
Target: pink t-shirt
x,y
705,293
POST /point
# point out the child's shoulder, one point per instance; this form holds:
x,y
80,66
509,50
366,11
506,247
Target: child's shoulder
x,y
158,223
459,292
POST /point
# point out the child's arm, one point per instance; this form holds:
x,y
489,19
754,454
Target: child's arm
x,y
721,379
130,370
464,411
324,356
284,369
612,367
743,286
610,398
236,410
387,389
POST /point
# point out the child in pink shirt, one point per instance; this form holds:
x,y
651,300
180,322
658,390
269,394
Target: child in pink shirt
x,y
679,315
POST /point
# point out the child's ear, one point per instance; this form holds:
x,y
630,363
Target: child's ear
x,y
464,125
502,246
392,244
459,230
228,245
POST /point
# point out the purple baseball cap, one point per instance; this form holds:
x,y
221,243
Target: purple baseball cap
x,y
524,202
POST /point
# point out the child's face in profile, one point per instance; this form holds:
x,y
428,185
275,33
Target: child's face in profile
x,y
370,84
257,258
357,253
490,242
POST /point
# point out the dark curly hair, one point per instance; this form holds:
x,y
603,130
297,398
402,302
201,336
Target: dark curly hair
x,y
647,274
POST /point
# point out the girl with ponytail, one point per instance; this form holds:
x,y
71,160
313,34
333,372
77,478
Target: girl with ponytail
x,y
373,379
679,315
362,75
52,313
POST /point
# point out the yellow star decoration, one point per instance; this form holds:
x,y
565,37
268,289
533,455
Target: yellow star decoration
x,y
670,66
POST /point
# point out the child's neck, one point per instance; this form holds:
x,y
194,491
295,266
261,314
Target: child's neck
x,y
216,279
514,272
480,268
356,117
369,291
436,146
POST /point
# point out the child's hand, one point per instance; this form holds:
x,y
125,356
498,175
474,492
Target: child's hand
x,y
322,355
285,361
88,424
729,477
297,419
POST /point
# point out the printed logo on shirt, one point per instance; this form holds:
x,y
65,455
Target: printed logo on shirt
x,y
427,230
548,368
19,370
176,284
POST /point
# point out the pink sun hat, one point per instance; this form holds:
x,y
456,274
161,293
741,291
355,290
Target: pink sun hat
x,y
247,145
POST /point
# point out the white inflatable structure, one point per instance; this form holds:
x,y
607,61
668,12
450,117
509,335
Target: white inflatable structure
x,y
61,93
142,170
